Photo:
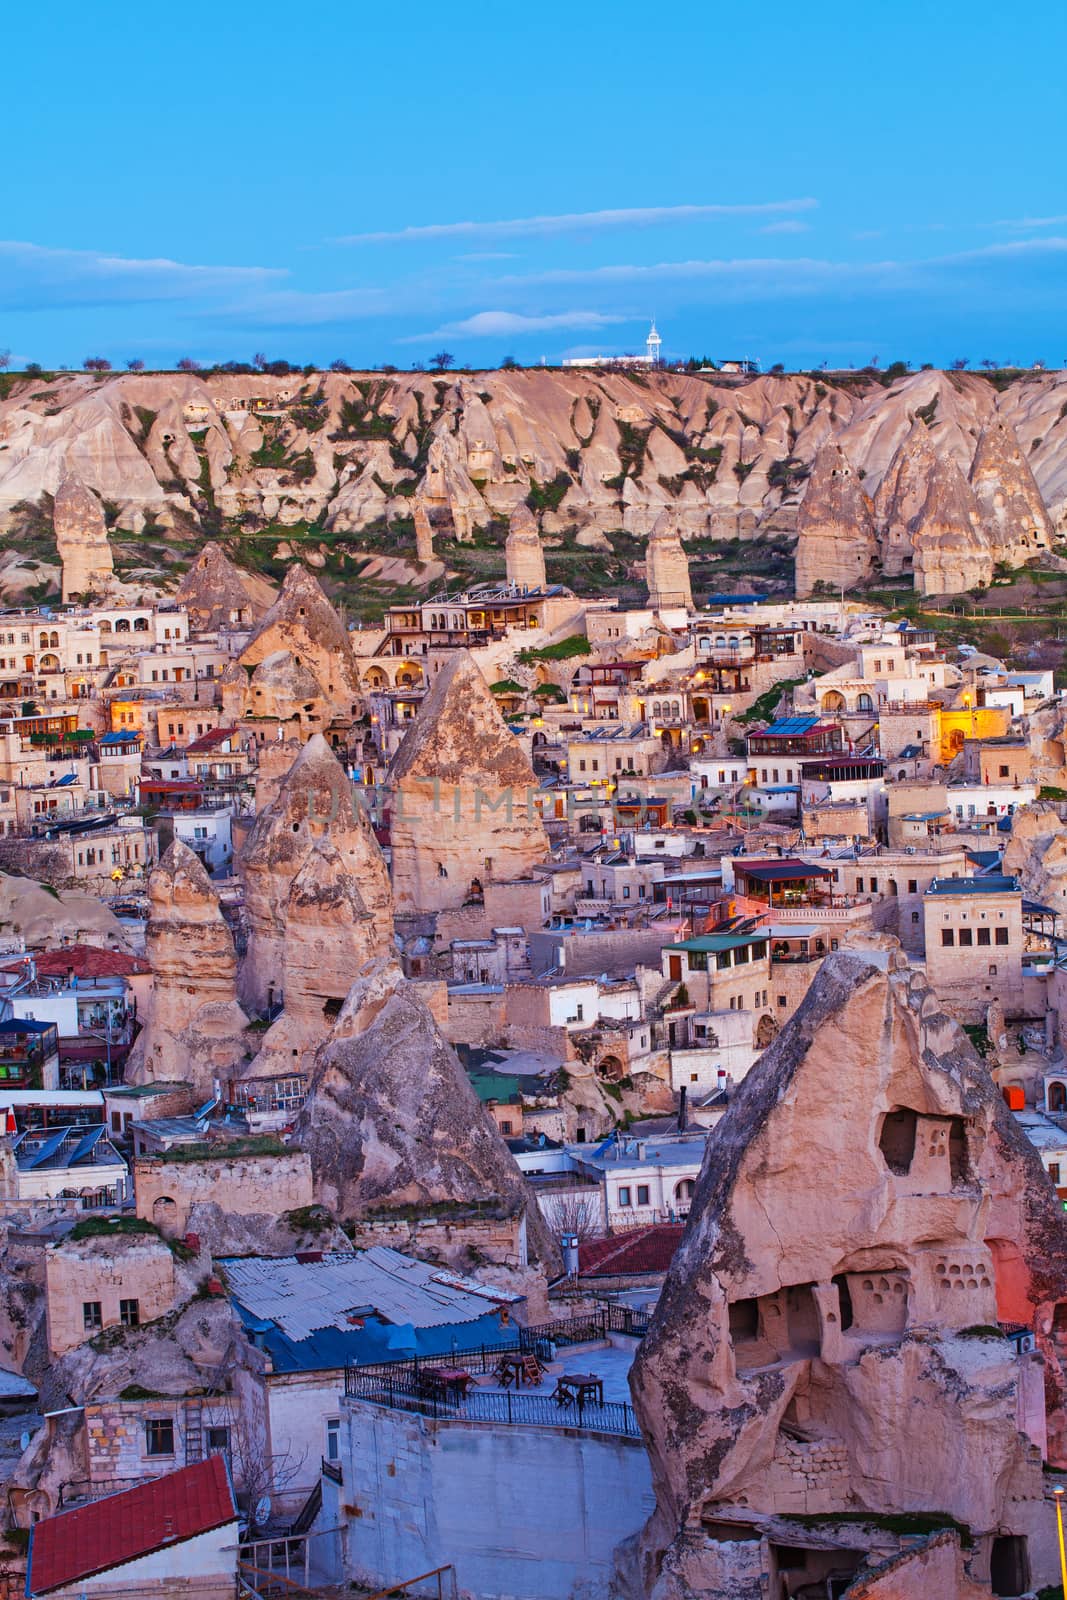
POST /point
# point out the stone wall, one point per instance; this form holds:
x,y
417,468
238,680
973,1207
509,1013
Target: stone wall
x,y
501,1239
521,1511
104,1271
245,1185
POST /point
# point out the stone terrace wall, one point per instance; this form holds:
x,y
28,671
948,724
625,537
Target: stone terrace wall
x,y
244,1185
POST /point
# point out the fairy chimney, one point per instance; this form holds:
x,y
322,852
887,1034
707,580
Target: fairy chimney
x,y
194,1028
666,568
81,539
523,551
315,810
463,795
423,534
826,1358
836,544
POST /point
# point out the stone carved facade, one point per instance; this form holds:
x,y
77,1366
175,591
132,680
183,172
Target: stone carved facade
x,y
867,1211
523,551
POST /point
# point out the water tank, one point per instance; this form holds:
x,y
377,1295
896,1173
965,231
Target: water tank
x,y
569,1242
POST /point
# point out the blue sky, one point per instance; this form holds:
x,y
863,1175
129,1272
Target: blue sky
x,y
793,183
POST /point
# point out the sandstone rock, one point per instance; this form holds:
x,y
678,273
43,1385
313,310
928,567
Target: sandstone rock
x,y
836,543
524,555
217,594
901,496
194,1030
867,1205
315,809
464,797
666,568
423,534
1036,854
1009,501
81,539
303,625
391,1119
950,548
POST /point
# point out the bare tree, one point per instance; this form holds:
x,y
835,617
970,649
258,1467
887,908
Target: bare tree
x,y
989,364
961,363
96,364
5,360
259,360
443,360
136,365
187,364
575,1213
339,366
509,364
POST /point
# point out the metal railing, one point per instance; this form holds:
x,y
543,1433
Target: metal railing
x,y
401,1392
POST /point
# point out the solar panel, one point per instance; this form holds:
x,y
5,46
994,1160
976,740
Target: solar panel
x,y
48,1149
85,1147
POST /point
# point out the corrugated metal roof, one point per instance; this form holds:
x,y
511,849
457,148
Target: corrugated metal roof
x,y
303,1297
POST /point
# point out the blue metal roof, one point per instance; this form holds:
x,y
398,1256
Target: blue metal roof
x,y
121,738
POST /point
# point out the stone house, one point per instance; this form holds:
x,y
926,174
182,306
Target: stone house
x,y
95,1282
244,1183
973,936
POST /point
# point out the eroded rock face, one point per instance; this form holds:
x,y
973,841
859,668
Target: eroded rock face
x,y
81,539
866,1200
423,534
391,1119
901,496
1036,854
836,543
463,796
195,1029
1009,501
950,548
300,647
666,567
314,813
216,594
523,551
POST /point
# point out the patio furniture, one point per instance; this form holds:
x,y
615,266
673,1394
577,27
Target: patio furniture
x,y
578,1388
519,1367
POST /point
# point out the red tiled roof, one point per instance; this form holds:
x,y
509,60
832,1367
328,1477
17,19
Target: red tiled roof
x,y
208,741
74,1545
640,1250
85,961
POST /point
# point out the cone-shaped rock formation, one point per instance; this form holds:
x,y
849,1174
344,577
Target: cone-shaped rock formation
x,y
463,795
826,1342
836,543
194,1029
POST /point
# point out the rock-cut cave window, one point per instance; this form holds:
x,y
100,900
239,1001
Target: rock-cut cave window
x,y
744,1320
897,1140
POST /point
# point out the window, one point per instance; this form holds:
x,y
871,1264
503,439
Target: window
x,y
91,1314
1003,772
1002,935
913,885
624,1194
874,885
642,1194
159,1436
1054,1171
218,1441
130,1313
992,969
947,936
983,936
333,1438
507,1128
966,937
859,885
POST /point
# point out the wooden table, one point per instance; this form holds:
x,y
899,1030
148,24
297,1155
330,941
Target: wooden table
x,y
451,1383
576,1388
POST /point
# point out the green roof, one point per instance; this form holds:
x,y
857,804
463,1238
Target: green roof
x,y
711,942
495,1086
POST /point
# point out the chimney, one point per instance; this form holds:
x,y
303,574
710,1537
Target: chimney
x,y
682,1114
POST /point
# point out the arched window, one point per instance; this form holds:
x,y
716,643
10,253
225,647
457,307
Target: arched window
x,y
833,701
122,625
864,703
140,625
1057,1097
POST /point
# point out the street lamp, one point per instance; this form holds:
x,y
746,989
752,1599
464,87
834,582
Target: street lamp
x,y
1058,1495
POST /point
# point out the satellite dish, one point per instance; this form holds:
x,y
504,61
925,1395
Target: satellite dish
x,y
24,1442
261,1514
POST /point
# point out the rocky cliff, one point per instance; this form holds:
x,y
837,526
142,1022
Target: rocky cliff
x,y
825,1348
594,452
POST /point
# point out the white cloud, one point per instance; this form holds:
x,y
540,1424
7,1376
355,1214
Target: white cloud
x,y
502,324
1031,222
788,225
36,277
488,255
576,221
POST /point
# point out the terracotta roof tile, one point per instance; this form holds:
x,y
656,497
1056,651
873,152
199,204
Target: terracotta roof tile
x,y
76,1544
639,1250
85,961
